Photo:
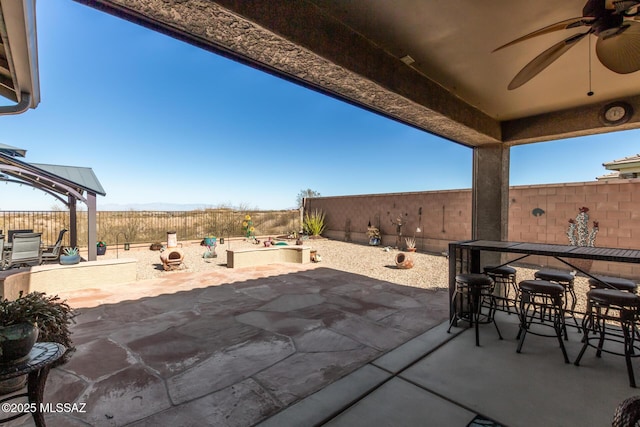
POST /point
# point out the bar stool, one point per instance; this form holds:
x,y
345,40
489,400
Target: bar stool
x,y
566,281
505,277
473,289
613,282
538,297
604,308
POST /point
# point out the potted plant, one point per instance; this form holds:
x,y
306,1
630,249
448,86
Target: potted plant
x,y
102,247
411,244
374,235
70,256
27,319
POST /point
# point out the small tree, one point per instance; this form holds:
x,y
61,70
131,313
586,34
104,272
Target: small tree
x,y
303,194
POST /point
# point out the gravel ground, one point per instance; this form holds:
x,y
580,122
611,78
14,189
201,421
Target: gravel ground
x,y
429,271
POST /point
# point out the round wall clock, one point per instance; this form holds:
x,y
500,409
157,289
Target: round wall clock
x,y
616,113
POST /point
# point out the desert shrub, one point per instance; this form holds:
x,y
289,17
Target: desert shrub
x,y
314,223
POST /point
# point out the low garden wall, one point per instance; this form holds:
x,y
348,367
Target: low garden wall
x,y
252,257
55,278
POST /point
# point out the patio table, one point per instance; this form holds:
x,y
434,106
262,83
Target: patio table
x,y
36,367
464,256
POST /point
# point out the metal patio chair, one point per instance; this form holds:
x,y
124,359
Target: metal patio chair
x,y
52,253
25,250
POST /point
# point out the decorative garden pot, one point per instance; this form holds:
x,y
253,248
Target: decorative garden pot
x,y
374,241
411,249
102,250
16,342
404,261
69,259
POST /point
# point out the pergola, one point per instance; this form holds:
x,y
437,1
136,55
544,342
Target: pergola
x,y
431,65
69,184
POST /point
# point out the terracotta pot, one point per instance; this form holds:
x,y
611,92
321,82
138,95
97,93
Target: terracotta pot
x,y
404,261
411,249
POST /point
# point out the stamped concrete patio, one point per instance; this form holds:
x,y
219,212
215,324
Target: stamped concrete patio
x,y
288,345
228,348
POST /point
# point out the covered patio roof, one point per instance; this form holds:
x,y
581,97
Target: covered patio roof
x,y
69,184
432,65
436,66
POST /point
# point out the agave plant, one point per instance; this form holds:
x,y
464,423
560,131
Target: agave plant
x,y
71,251
411,242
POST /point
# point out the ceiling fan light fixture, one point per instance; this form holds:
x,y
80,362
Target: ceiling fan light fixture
x,y
620,52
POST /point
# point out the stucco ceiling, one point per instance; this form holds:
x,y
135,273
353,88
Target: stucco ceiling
x,y
457,86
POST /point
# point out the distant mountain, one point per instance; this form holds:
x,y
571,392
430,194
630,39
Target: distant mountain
x,y
157,206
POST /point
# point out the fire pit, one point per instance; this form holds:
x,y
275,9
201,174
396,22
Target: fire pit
x,y
171,257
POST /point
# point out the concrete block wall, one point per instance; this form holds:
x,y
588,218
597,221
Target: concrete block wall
x,y
445,216
441,216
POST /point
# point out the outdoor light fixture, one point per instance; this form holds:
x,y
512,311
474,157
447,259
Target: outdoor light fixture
x,y
126,246
222,240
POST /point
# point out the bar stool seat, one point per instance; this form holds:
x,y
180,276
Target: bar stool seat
x,y
504,277
554,276
504,270
538,299
566,280
613,282
474,289
612,315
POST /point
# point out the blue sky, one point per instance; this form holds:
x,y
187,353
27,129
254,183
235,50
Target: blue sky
x,y
161,121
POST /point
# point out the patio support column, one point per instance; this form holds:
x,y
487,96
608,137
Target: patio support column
x,y
92,228
490,192
73,222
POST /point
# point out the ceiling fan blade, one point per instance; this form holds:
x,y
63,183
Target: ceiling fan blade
x,y
545,59
562,25
620,52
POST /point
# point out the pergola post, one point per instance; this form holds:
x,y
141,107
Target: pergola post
x,y
490,193
73,221
92,227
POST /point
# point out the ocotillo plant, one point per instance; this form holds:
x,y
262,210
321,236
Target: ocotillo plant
x,y
579,233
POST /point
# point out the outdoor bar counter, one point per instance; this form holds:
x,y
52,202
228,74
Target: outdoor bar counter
x,y
464,256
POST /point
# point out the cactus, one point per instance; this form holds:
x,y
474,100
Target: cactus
x,y
578,231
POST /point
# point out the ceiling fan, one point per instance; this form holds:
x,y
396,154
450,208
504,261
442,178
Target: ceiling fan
x,y
617,48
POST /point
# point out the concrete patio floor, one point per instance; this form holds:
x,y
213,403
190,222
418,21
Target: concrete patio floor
x,y
228,348
316,347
